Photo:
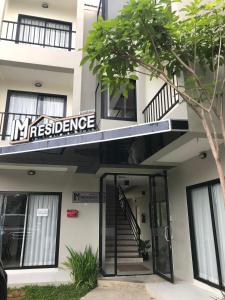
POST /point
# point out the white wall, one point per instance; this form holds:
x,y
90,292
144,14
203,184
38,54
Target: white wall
x,y
114,7
77,232
6,85
189,173
37,55
88,80
2,11
33,8
112,124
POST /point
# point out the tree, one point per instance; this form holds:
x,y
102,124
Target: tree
x,y
158,41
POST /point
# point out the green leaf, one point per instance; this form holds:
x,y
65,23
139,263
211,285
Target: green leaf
x,y
96,69
84,60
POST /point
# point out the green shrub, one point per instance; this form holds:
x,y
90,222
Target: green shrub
x,y
83,266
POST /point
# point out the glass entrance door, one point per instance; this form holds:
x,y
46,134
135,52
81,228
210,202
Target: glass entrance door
x,y
161,234
108,226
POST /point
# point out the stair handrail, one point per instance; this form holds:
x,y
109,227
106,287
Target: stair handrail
x,y
125,206
162,103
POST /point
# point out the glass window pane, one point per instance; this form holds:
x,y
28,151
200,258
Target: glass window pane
x,y
20,105
204,240
51,106
32,30
219,213
108,225
40,248
12,218
57,34
119,107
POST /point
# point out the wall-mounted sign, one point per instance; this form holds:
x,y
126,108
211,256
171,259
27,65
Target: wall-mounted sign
x,y
85,197
42,212
45,127
72,213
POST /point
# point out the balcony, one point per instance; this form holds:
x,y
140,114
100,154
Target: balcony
x,y
6,120
161,104
39,35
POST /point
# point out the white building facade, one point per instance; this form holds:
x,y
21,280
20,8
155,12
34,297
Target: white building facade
x,y
113,173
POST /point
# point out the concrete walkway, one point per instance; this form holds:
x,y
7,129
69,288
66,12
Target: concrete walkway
x,y
112,290
150,288
181,290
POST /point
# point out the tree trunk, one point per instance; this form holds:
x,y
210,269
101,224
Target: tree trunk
x,y
215,152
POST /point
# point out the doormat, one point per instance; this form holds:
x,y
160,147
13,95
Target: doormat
x,y
132,267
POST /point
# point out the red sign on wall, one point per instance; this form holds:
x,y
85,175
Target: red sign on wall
x,y
72,213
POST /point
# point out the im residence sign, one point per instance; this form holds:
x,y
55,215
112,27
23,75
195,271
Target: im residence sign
x,y
45,127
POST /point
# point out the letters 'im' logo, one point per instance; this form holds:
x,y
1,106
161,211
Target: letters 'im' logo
x,y
20,129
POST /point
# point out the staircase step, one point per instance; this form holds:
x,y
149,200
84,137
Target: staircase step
x,y
125,237
123,226
124,231
122,254
126,248
124,260
122,222
111,242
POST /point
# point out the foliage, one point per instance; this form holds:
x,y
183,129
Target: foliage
x,y
162,39
158,39
144,246
83,266
61,292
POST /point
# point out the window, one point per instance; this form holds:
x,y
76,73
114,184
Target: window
x,y
118,107
29,229
207,228
46,32
22,104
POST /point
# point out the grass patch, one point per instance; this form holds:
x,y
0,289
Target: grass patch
x,y
61,292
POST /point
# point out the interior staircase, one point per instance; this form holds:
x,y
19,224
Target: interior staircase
x,y
128,232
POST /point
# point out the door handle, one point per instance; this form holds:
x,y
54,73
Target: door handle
x,y
166,233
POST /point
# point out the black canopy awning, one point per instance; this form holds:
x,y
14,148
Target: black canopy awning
x,y
128,145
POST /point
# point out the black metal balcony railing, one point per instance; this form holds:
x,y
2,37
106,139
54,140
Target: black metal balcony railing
x,y
6,120
165,99
38,35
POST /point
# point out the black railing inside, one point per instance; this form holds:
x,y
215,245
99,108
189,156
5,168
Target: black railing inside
x,y
124,205
165,99
38,35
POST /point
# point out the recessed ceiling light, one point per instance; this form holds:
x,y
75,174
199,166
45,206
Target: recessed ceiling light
x,y
202,155
31,172
38,84
44,5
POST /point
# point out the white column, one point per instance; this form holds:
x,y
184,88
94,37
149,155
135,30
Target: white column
x,y
2,12
77,82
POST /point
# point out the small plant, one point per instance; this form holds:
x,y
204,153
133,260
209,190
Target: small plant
x,y
144,248
83,266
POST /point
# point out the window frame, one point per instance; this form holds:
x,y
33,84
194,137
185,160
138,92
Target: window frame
x,y
20,16
10,92
189,189
59,194
105,106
